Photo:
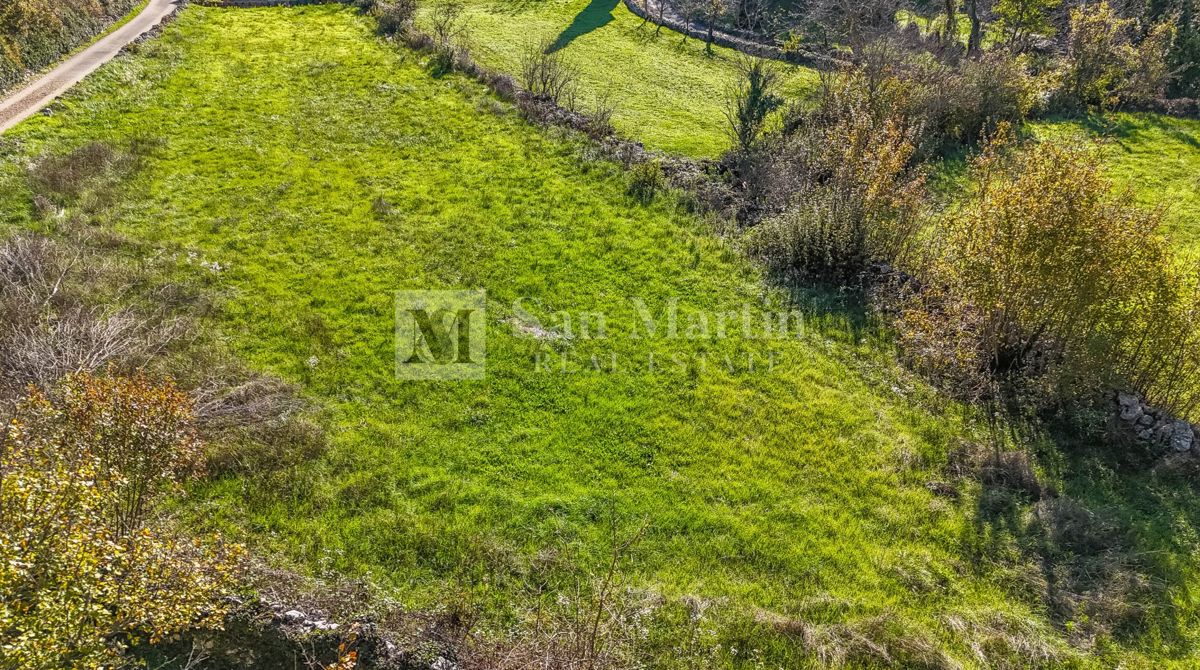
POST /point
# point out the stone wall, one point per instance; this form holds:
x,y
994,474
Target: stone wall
x,y
720,37
1154,426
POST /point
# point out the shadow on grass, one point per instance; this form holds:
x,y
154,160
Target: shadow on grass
x,y
596,15
1105,538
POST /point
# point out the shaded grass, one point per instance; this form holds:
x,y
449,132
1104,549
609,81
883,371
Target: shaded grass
x,y
784,494
668,93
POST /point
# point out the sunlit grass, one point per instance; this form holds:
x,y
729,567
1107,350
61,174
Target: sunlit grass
x,y
1156,156
668,93
324,170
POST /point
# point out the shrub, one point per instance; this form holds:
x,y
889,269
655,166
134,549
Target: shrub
x,y
952,104
47,329
448,22
646,180
750,100
1103,66
546,74
394,16
34,33
82,571
1050,287
1002,91
852,195
599,121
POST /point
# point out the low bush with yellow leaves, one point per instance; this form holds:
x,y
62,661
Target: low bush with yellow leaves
x,y
85,569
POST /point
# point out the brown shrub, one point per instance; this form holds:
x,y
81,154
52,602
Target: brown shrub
x,y
852,197
1053,288
49,331
546,74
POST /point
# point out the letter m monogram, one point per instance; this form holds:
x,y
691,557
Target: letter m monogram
x,y
440,334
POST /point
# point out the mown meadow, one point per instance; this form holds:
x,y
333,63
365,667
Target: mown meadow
x,y
303,170
665,91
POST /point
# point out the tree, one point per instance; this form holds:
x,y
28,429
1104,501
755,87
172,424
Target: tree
x,y
975,40
1024,18
713,9
751,99
950,31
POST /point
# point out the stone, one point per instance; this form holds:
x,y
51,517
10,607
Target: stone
x,y
1145,435
1146,420
1164,432
1131,413
942,489
293,616
441,663
1182,438
1128,400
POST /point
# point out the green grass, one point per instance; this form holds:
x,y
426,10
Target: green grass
x,y
797,491
1156,156
668,94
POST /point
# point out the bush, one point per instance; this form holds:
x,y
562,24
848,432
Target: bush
x,y
35,33
1103,66
394,16
646,180
952,104
1051,288
852,197
546,74
750,100
83,573
47,328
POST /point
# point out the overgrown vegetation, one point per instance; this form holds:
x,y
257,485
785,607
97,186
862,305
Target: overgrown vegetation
x,y
85,568
843,180
34,33
1053,286
815,505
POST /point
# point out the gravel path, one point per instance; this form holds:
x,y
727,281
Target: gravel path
x,y
35,95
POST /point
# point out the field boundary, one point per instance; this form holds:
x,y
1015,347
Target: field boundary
x,y
270,3
699,31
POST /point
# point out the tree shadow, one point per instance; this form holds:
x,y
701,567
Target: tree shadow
x,y
596,15
1101,536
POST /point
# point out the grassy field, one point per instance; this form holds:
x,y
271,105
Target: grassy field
x,y
1156,156
324,170
668,93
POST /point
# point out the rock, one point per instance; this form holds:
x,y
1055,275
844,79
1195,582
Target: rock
x,y
1182,438
1146,420
1131,413
1128,400
293,616
1145,435
1164,432
441,663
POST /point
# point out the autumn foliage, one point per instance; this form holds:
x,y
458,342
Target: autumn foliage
x,y
85,568
1051,284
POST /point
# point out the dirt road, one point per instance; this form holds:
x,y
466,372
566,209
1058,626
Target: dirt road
x,y
27,101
